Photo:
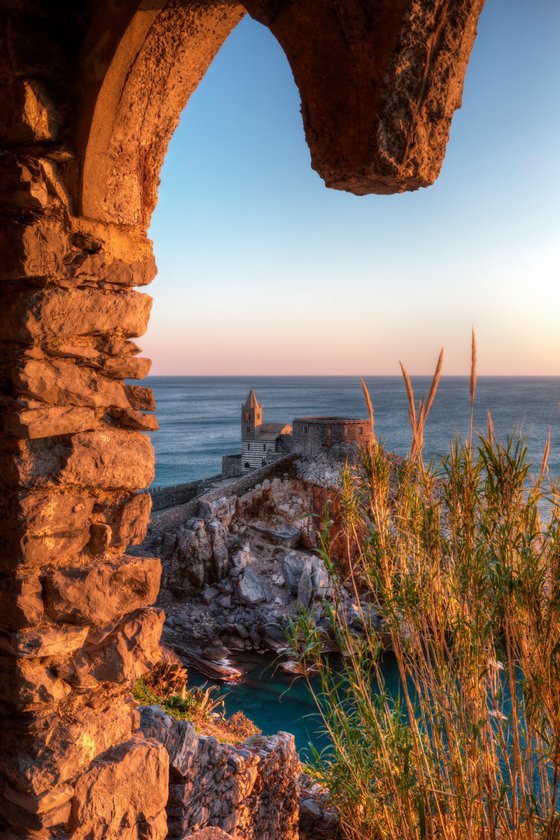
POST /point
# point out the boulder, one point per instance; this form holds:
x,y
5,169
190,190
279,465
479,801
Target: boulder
x,y
253,588
287,536
292,567
305,584
200,556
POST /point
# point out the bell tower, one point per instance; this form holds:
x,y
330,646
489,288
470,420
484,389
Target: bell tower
x,y
251,416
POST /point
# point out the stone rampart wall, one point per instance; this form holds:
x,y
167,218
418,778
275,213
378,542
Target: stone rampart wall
x,y
250,790
166,520
312,435
180,494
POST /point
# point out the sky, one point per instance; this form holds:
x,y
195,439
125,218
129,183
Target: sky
x,y
264,271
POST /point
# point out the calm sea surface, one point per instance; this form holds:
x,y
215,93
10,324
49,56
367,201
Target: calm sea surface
x,y
199,416
199,420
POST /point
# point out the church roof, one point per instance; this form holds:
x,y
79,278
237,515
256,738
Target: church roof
x,y
252,401
270,431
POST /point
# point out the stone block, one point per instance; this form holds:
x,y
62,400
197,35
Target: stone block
x,y
123,789
113,459
140,398
63,383
21,601
96,594
128,418
39,528
124,654
126,367
43,641
43,514
113,255
51,313
128,520
31,822
32,249
110,458
50,749
48,422
26,684
22,186
39,804
26,113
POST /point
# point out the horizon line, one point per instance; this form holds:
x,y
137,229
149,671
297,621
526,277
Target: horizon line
x,y
353,375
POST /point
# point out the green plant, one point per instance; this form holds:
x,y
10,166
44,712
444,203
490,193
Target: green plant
x,y
165,686
456,568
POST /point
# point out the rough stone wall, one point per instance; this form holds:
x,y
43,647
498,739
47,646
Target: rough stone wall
x,y
312,435
76,621
250,790
180,494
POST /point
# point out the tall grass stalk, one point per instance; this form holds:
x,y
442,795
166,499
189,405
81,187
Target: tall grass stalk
x,y
472,388
457,572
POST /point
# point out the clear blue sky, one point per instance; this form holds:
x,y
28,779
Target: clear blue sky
x,y
262,270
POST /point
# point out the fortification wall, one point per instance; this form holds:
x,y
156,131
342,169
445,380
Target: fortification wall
x,y
166,520
312,435
180,494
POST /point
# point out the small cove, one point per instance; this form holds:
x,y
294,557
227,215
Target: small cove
x,y
277,701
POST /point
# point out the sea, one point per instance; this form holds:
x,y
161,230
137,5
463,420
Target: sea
x,y
199,416
199,421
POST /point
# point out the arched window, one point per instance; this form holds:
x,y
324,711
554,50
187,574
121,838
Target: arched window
x,y
248,447
247,465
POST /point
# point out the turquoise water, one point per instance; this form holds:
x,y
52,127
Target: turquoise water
x,y
199,416
276,701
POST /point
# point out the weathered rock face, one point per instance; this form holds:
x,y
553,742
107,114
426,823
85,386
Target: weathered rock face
x,y
200,556
250,790
384,76
89,97
76,621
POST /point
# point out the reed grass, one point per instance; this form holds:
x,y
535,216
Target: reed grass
x,y
455,568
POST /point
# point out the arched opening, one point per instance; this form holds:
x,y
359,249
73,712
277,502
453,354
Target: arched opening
x,y
90,110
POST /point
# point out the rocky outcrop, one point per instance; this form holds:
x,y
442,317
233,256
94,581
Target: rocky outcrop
x,y
250,790
238,572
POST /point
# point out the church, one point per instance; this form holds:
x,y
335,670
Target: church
x,y
260,442
263,443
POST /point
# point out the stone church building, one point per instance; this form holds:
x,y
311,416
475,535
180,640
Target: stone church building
x,y
262,443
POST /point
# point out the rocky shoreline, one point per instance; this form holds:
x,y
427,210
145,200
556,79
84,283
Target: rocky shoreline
x,y
239,565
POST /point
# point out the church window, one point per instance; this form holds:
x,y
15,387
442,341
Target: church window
x,y
248,447
247,465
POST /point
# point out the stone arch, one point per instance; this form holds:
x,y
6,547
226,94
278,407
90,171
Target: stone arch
x,y
135,105
89,96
